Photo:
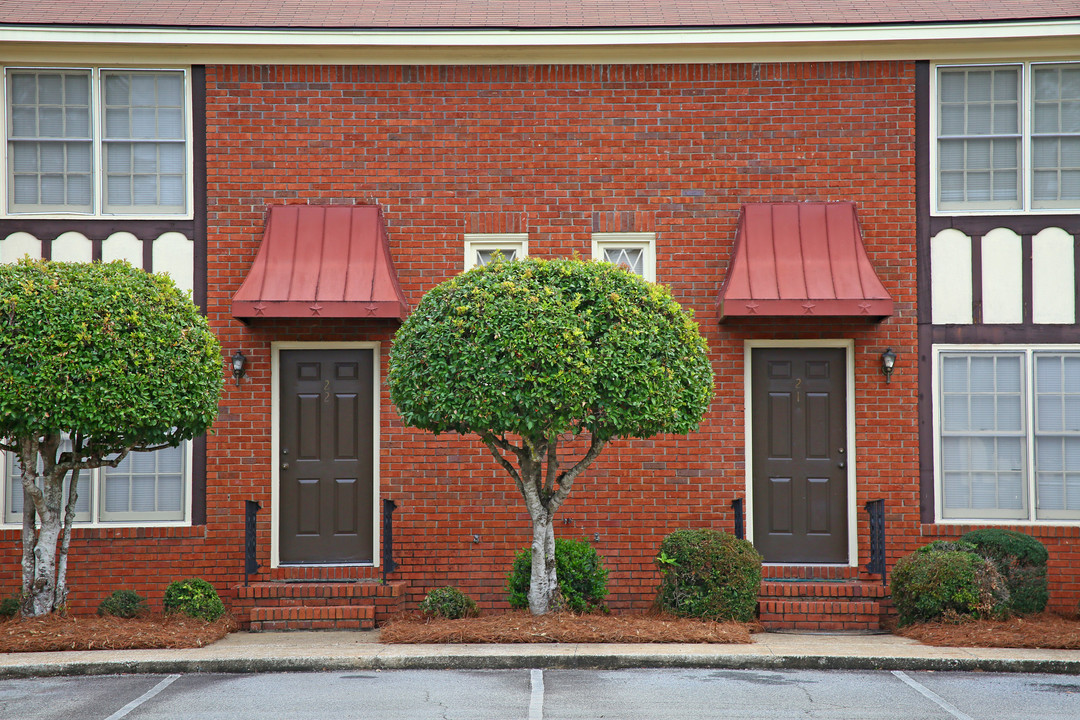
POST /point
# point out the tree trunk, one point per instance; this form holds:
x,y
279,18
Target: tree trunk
x,y
42,600
544,593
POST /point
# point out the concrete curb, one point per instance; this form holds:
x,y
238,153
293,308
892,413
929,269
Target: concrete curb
x,y
544,661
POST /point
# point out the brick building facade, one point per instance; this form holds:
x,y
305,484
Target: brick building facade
x,y
554,159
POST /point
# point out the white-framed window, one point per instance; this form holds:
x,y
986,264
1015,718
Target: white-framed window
x,y
634,251
1007,430
1006,137
481,248
146,488
97,142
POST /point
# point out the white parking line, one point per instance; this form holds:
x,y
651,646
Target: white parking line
x,y
536,702
933,696
122,712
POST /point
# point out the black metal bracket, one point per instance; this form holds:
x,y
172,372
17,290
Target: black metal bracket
x,y
737,506
388,564
251,566
876,510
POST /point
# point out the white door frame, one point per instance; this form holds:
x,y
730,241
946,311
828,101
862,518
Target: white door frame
x,y
848,345
275,440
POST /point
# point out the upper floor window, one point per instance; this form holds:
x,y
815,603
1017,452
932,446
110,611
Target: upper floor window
x,y
1007,137
634,251
97,141
482,248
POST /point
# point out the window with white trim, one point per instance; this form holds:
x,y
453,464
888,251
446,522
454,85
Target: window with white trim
x,y
482,248
97,142
1007,137
1008,431
634,251
145,488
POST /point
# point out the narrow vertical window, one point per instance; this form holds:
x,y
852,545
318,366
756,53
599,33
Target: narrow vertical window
x,y
979,136
49,141
1055,136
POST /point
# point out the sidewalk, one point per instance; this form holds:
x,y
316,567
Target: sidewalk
x,y
335,650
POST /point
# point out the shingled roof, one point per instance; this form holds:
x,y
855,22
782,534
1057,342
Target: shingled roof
x,y
535,14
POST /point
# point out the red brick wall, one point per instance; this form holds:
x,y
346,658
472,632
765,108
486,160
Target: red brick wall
x,y
558,152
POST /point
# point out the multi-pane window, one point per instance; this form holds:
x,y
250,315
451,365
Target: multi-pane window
x,y
481,249
1009,434
633,251
145,487
97,141
1008,137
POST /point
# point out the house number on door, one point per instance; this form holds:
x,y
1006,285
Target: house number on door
x,y
798,395
326,391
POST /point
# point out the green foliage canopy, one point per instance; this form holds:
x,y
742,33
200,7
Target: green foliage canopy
x,y
104,349
542,347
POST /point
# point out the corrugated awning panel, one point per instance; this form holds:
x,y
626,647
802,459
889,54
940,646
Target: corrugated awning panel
x,y
801,259
322,261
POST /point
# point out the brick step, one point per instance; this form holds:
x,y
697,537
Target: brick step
x,y
821,615
316,602
304,617
822,589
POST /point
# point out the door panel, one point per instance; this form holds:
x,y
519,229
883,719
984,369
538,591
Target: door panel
x,y
326,463
799,454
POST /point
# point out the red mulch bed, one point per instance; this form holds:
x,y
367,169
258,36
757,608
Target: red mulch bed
x,y
521,627
110,633
1045,631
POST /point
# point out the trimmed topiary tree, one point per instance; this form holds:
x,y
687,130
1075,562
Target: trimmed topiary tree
x,y
195,598
448,602
582,576
709,574
535,355
112,358
936,584
1021,560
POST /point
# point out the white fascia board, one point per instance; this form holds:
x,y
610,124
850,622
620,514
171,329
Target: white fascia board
x,y
508,45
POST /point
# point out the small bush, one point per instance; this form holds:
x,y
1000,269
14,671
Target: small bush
x,y
1021,560
709,574
9,607
123,603
448,602
947,585
579,569
194,597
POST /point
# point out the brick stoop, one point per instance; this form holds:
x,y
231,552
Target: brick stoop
x,y
349,605
808,604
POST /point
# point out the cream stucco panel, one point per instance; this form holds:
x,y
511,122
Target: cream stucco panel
x,y
950,278
175,254
1053,277
122,246
16,245
1002,277
72,247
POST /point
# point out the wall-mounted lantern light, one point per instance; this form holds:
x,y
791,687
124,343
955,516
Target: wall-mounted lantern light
x,y
888,362
239,363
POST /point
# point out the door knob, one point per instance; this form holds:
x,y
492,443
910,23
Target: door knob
x,y
841,464
284,466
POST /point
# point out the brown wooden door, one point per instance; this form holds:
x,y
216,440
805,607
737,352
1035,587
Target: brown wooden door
x,y
326,456
799,454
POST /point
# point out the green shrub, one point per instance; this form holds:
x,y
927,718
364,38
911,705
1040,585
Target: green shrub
x,y
947,585
1021,560
194,597
448,602
582,576
709,574
123,603
9,606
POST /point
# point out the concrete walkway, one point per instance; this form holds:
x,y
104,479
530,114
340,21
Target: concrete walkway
x,y
335,650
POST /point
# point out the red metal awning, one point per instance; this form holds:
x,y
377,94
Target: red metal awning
x,y
804,259
322,261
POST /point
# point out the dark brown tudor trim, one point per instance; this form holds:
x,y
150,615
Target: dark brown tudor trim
x,y
975,227
98,229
